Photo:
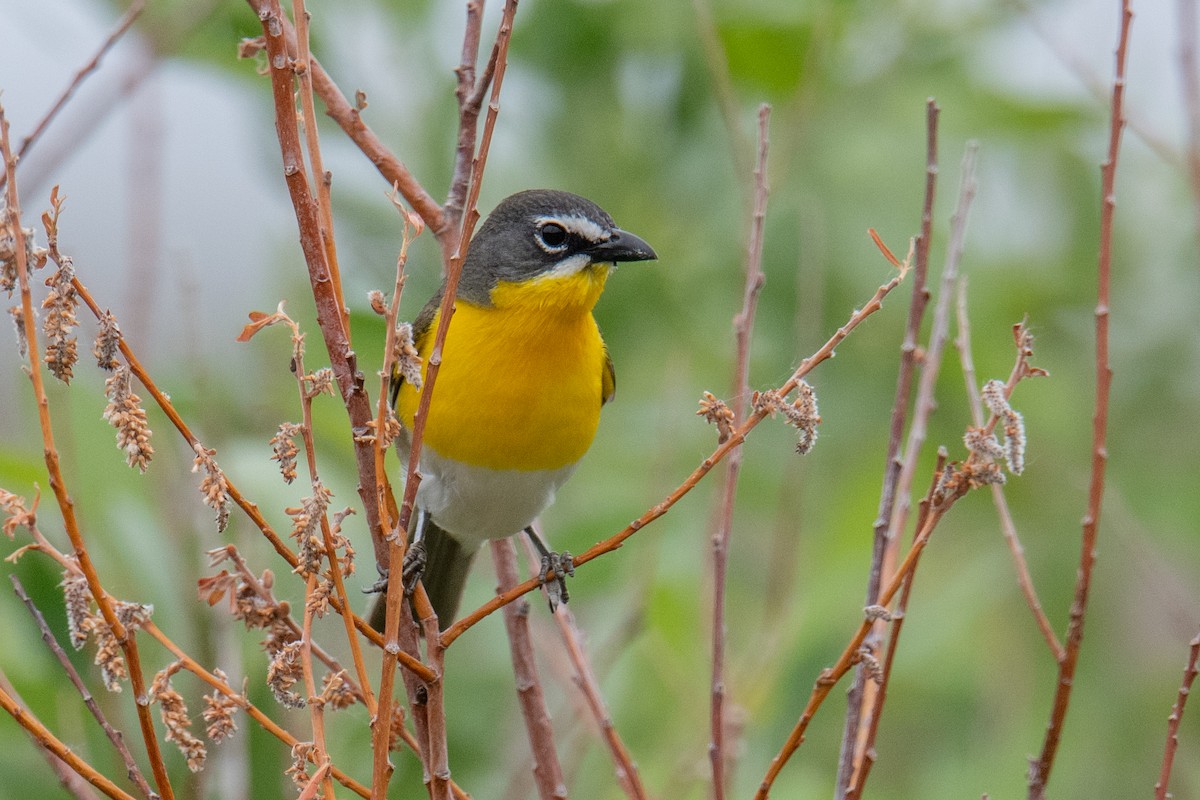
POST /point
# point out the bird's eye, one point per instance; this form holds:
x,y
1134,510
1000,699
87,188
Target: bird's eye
x,y
552,236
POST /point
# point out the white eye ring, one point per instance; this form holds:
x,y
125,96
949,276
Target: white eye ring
x,y
552,237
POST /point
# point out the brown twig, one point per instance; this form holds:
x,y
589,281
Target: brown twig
x,y
470,94
1007,526
896,617
320,178
123,25
118,740
589,687
547,771
240,500
884,536
743,325
924,405
1185,688
949,489
1189,75
267,724
66,506
348,118
53,744
446,310
342,358
1039,772
738,436
429,714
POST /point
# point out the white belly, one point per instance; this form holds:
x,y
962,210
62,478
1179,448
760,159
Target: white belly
x,y
476,503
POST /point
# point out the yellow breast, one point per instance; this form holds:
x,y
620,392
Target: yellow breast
x,y
522,381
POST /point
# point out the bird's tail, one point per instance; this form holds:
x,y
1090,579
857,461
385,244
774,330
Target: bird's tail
x,y
446,567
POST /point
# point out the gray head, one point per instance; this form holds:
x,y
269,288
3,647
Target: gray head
x,y
537,231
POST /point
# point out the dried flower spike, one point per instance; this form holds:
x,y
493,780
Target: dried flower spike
x,y
213,485
108,342
61,303
298,771
714,411
125,413
18,318
283,673
406,359
78,600
218,715
285,450
174,714
800,414
306,522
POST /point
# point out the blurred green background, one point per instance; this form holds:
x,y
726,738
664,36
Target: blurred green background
x,y
178,220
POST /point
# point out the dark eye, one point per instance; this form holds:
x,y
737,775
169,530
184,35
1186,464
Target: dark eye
x,y
552,236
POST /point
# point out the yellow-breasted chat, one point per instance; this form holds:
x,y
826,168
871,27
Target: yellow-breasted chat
x,y
524,374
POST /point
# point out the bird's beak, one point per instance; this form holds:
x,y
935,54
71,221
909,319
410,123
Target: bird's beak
x,y
622,246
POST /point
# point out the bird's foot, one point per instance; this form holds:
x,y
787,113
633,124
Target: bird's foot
x,y
556,568
414,567
411,571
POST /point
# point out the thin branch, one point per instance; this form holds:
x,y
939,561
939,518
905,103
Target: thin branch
x,y
923,408
884,535
66,506
743,324
1039,772
240,500
881,678
348,118
123,25
118,740
446,310
320,178
738,436
52,743
1007,526
1185,688
589,687
255,713
470,94
547,771
953,484
1189,74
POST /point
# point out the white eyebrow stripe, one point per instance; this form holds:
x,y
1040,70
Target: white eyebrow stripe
x,y
581,226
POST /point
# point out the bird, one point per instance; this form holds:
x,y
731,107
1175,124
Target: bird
x,y
517,399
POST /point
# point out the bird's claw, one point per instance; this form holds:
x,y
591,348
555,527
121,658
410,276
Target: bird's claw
x,y
556,568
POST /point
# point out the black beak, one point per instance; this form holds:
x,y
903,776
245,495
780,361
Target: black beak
x,y
622,246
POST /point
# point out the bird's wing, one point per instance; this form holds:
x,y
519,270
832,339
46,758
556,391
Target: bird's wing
x,y
608,379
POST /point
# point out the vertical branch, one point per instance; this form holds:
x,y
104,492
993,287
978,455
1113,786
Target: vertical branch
x,y
429,698
743,325
446,311
627,772
66,506
1007,526
547,771
342,358
320,177
884,535
1185,688
1189,75
924,405
1040,769
470,98
881,677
